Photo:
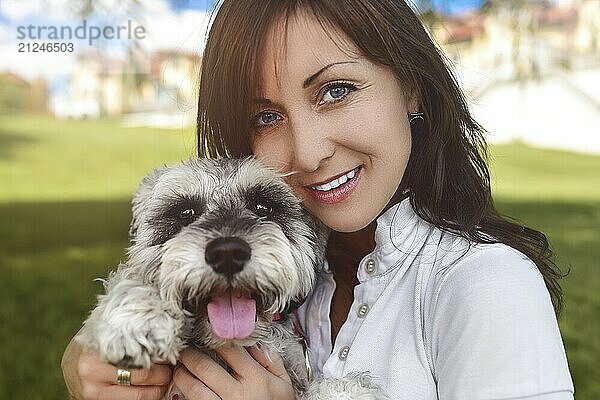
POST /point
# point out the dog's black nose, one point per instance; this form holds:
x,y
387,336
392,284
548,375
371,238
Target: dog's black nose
x,y
227,255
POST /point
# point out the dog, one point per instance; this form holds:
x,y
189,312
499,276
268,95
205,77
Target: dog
x,y
222,252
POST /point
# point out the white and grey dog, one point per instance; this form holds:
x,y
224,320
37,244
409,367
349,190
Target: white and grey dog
x,y
218,248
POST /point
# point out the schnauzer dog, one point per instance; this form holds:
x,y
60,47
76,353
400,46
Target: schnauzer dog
x,y
222,252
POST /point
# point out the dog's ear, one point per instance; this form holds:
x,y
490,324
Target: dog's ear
x,y
141,195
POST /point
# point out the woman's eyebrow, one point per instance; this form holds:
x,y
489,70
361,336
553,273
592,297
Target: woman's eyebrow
x,y
264,101
314,76
306,83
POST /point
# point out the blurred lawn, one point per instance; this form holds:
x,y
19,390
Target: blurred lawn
x,y
43,159
64,213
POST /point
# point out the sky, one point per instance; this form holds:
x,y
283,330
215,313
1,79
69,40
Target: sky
x,y
451,6
180,29
456,6
179,25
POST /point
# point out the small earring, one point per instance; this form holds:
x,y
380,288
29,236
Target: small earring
x,y
415,116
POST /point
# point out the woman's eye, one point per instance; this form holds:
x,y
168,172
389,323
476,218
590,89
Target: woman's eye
x,y
336,92
266,118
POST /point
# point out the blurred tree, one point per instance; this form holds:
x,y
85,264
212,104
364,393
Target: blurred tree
x,y
13,93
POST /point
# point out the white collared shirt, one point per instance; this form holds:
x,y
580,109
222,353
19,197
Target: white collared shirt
x,y
436,316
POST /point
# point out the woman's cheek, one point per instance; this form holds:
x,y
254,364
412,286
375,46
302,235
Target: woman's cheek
x,y
272,149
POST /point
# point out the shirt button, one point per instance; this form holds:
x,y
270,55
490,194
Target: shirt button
x,y
344,353
370,266
363,310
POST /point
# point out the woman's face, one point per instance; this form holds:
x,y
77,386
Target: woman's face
x,y
334,119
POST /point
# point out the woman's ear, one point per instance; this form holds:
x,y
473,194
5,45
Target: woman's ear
x,y
413,101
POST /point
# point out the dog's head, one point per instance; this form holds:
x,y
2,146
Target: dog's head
x,y
226,242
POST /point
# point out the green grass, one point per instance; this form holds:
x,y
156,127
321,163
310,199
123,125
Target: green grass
x,y
50,254
521,173
45,159
64,214
559,193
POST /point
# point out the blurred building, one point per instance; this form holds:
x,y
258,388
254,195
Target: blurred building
x,y
176,74
163,85
586,39
520,39
98,86
531,69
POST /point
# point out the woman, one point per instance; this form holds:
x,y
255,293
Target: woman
x,y
427,286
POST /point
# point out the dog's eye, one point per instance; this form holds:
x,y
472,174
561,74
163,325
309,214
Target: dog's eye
x,y
187,214
262,210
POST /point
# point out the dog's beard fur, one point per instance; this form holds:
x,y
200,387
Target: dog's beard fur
x,y
229,198
156,303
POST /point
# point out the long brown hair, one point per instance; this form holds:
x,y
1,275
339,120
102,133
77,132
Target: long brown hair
x,y
447,173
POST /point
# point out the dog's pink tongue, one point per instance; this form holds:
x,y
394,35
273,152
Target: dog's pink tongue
x,y
232,315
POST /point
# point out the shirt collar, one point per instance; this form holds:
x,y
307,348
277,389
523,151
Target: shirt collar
x,y
396,224
399,235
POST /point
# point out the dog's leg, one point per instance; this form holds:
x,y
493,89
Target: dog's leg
x,y
132,326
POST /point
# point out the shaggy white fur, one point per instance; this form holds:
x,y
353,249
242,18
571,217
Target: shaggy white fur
x,y
156,302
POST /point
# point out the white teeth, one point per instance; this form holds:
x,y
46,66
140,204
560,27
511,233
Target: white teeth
x,y
336,182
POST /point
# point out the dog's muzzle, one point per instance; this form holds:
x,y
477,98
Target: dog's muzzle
x,y
227,255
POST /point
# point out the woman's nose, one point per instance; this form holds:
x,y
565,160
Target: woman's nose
x,y
312,143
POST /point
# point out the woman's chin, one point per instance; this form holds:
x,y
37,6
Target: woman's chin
x,y
344,222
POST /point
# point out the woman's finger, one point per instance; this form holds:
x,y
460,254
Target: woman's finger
x,y
238,359
205,368
155,375
190,386
131,392
270,360
91,367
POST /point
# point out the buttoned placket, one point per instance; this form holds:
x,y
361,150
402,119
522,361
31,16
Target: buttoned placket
x,y
319,320
398,235
371,283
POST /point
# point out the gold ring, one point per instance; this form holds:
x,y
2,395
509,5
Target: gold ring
x,y
123,377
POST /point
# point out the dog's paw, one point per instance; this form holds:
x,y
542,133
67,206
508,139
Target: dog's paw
x,y
352,386
138,344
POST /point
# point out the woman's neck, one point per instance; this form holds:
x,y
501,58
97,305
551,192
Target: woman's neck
x,y
344,253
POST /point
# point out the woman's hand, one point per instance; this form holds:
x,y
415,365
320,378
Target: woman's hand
x,y
254,375
88,377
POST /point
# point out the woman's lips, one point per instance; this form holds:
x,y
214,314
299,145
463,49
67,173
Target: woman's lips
x,y
339,193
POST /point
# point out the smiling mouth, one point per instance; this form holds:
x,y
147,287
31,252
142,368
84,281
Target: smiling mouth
x,y
337,182
336,190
